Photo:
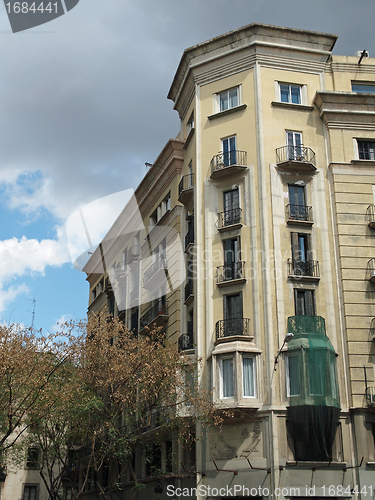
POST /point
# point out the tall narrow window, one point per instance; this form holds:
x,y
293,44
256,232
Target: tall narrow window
x,y
303,264
248,377
232,265
232,213
229,151
294,143
233,314
297,202
293,376
227,385
304,302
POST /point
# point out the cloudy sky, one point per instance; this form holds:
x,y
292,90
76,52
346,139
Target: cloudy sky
x,y
83,106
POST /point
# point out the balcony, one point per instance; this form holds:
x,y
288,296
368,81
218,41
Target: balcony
x,y
370,396
371,270
189,291
231,274
133,254
303,269
186,340
155,273
235,327
296,158
186,188
230,219
108,286
302,325
299,214
156,316
230,163
370,216
189,237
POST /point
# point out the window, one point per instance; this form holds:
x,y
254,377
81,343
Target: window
x,y
190,174
301,252
153,218
297,203
232,264
228,99
226,377
32,460
294,146
29,493
232,212
233,308
366,88
304,302
229,151
248,377
366,150
293,376
290,93
190,123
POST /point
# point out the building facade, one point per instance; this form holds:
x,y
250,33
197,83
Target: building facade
x,y
250,242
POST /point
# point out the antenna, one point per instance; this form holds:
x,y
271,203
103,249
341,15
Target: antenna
x,y
32,312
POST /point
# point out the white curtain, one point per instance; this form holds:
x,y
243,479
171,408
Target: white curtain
x,y
227,377
248,377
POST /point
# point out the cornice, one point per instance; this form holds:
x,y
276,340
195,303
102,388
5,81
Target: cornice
x,y
346,110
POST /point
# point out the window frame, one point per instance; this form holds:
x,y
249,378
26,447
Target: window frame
x,y
254,375
364,85
303,94
313,305
287,374
227,357
364,141
227,91
27,486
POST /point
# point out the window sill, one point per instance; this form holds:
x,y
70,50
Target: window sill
x,y
370,163
227,111
300,107
188,138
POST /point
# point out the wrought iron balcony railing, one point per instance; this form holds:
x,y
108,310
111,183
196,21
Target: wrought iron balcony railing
x,y
229,272
370,216
299,213
186,183
159,264
230,217
232,327
158,309
308,268
295,153
186,340
189,290
229,159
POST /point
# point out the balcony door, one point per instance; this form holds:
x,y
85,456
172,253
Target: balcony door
x,y
297,202
231,207
294,143
232,266
233,307
229,151
301,254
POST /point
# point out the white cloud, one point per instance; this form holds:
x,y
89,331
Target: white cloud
x,y
24,257
7,296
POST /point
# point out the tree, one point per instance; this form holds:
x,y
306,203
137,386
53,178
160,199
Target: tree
x,y
122,391
29,368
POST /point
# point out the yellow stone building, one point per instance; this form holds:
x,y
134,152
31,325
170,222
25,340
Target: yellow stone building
x,y
251,244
